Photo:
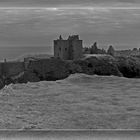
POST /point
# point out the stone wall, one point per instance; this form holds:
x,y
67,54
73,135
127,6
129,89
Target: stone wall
x,y
48,69
77,49
9,69
1,68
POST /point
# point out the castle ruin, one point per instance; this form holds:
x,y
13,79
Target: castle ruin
x,y
69,49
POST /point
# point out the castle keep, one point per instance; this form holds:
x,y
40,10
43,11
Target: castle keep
x,y
69,49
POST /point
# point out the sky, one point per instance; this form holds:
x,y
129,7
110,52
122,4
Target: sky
x,y
38,22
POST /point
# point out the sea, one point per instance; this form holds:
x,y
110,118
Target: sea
x,y
78,102
17,52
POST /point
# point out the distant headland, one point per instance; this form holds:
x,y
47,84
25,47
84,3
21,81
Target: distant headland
x,y
70,57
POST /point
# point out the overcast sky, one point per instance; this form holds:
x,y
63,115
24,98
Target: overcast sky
x,y
38,22
61,2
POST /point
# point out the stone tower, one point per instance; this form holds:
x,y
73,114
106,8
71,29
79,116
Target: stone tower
x,y
69,49
111,50
94,48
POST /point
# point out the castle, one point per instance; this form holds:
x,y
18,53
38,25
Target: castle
x,y
72,49
69,49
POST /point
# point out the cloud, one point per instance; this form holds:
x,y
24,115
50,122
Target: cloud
x,y
66,2
39,26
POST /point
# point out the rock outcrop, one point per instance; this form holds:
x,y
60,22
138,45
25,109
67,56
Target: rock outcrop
x,y
105,65
48,69
55,69
129,66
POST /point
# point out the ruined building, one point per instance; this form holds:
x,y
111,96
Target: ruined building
x,y
69,49
111,50
94,50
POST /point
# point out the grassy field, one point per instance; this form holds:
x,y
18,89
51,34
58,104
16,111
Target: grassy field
x,y
78,102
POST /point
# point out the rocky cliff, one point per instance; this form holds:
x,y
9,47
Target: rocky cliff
x,y
129,66
55,69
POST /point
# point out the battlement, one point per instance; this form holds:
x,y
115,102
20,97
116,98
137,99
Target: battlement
x,y
73,37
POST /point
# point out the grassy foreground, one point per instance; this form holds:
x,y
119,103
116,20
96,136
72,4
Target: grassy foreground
x,y
78,102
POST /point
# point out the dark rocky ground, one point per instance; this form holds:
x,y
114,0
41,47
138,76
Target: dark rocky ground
x,y
56,69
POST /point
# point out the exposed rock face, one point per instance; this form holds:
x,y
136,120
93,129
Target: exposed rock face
x,y
27,77
99,65
73,67
55,69
129,66
2,84
48,69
